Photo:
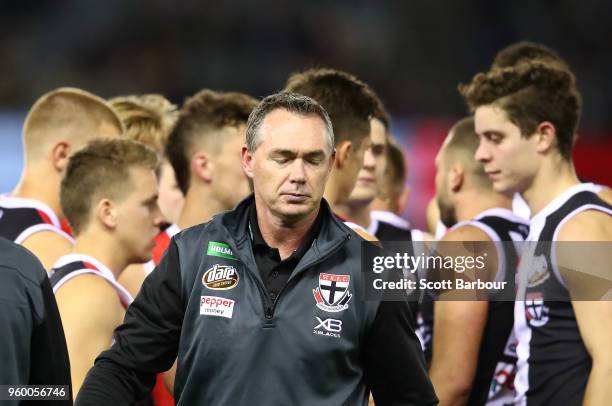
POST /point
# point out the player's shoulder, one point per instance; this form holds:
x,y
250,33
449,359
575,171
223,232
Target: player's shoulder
x,y
465,232
588,225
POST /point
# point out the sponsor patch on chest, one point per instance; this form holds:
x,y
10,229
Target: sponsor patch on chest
x,y
220,277
216,306
219,249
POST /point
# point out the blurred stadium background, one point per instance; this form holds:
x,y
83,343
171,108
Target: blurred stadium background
x,y
414,53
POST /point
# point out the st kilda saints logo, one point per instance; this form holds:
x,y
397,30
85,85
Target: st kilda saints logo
x,y
332,294
220,277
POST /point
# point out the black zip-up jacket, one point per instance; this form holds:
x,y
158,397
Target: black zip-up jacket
x,y
319,343
32,345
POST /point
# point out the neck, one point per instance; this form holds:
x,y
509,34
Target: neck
x,y
471,203
358,212
199,207
104,248
280,234
553,178
40,184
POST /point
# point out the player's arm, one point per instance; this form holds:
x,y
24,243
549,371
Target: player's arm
x,y
458,330
90,311
145,344
594,317
132,278
48,246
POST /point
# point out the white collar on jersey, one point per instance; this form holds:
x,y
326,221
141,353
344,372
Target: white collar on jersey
x,y
68,258
172,230
12,202
503,213
390,218
560,200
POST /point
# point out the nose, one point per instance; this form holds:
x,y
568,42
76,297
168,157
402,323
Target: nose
x,y
369,162
298,172
158,217
482,153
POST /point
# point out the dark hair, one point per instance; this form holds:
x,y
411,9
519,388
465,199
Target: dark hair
x,y
101,169
381,113
531,93
396,167
292,102
524,51
201,118
349,102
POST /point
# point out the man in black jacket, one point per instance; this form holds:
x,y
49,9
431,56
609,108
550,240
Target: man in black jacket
x,y
32,344
265,304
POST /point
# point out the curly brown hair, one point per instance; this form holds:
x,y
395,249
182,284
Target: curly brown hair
x,y
530,93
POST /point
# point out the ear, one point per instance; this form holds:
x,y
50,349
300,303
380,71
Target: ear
x,y
344,149
106,213
456,177
546,134
202,167
247,161
60,154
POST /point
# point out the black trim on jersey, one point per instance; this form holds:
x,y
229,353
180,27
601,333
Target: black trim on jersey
x,y
59,273
14,221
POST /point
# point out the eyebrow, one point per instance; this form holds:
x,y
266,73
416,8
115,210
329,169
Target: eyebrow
x,y
287,153
151,199
487,133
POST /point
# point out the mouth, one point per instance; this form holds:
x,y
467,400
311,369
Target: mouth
x,y
295,197
492,174
366,180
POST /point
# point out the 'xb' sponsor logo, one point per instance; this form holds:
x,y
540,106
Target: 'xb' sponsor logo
x,y
220,277
219,249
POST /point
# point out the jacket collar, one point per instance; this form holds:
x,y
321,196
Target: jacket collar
x,y
331,234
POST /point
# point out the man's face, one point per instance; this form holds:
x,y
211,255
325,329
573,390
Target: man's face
x,y
230,183
443,198
372,173
291,165
510,160
139,216
171,198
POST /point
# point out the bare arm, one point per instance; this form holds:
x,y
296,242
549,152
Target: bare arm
x,y
48,246
458,331
594,317
90,311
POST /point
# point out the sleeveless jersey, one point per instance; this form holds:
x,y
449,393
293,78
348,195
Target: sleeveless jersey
x,y
20,218
493,383
72,265
388,226
553,365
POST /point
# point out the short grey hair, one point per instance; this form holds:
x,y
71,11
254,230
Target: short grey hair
x,y
292,102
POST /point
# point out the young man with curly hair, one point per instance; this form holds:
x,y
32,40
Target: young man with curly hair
x,y
526,117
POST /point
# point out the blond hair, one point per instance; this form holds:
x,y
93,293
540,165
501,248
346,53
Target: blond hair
x,y
148,118
65,113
